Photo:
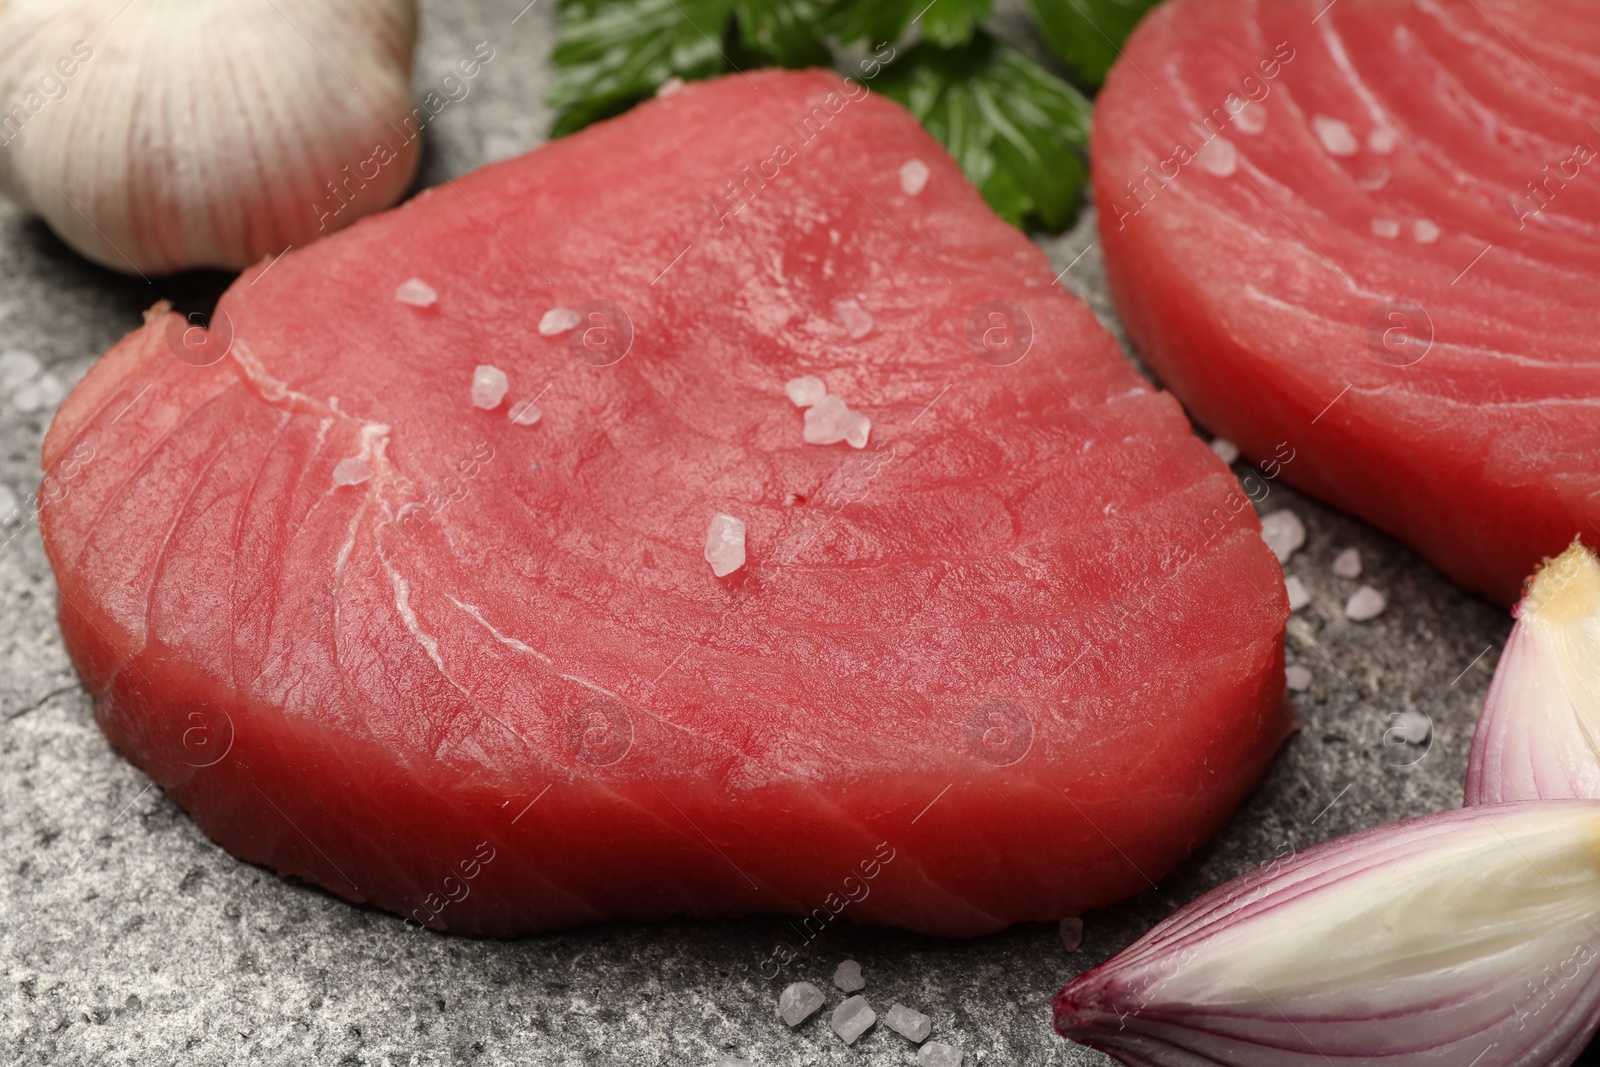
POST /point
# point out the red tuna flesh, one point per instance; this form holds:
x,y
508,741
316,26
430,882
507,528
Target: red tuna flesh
x,y
1014,657
1371,230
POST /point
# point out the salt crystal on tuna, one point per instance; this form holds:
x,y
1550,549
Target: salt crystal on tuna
x,y
805,390
558,320
856,321
489,385
352,470
1335,136
856,428
725,544
1219,157
1252,118
913,176
416,292
825,421
830,421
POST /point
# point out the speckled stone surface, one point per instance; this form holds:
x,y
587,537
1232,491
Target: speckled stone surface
x,y
126,937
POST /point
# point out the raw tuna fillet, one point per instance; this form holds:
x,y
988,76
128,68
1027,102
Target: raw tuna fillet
x,y
377,623
1371,229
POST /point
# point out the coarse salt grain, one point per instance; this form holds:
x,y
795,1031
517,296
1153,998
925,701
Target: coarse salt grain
x,y
825,421
1335,135
1425,231
489,385
830,421
17,367
1299,595
805,390
913,176
1226,450
1297,678
1252,118
853,1018
524,413
725,544
1364,604
847,976
1218,156
1347,564
416,292
43,393
1386,228
855,319
1381,140
799,1002
938,1054
671,87
908,1023
352,470
558,320
856,428
1284,533
1412,727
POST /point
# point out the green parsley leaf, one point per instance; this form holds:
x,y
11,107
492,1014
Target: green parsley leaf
x,y
1088,34
614,53
1017,130
947,23
783,32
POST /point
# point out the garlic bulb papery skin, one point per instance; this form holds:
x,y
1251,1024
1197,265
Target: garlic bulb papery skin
x,y
1538,736
159,135
1468,937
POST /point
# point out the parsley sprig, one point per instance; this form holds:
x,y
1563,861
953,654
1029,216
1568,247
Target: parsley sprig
x,y
1018,130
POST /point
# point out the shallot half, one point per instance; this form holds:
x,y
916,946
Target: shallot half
x,y
1462,937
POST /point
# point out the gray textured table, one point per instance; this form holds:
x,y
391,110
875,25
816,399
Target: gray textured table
x,y
126,937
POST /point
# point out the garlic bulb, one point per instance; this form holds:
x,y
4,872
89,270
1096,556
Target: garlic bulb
x,y
1463,937
159,135
1538,736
